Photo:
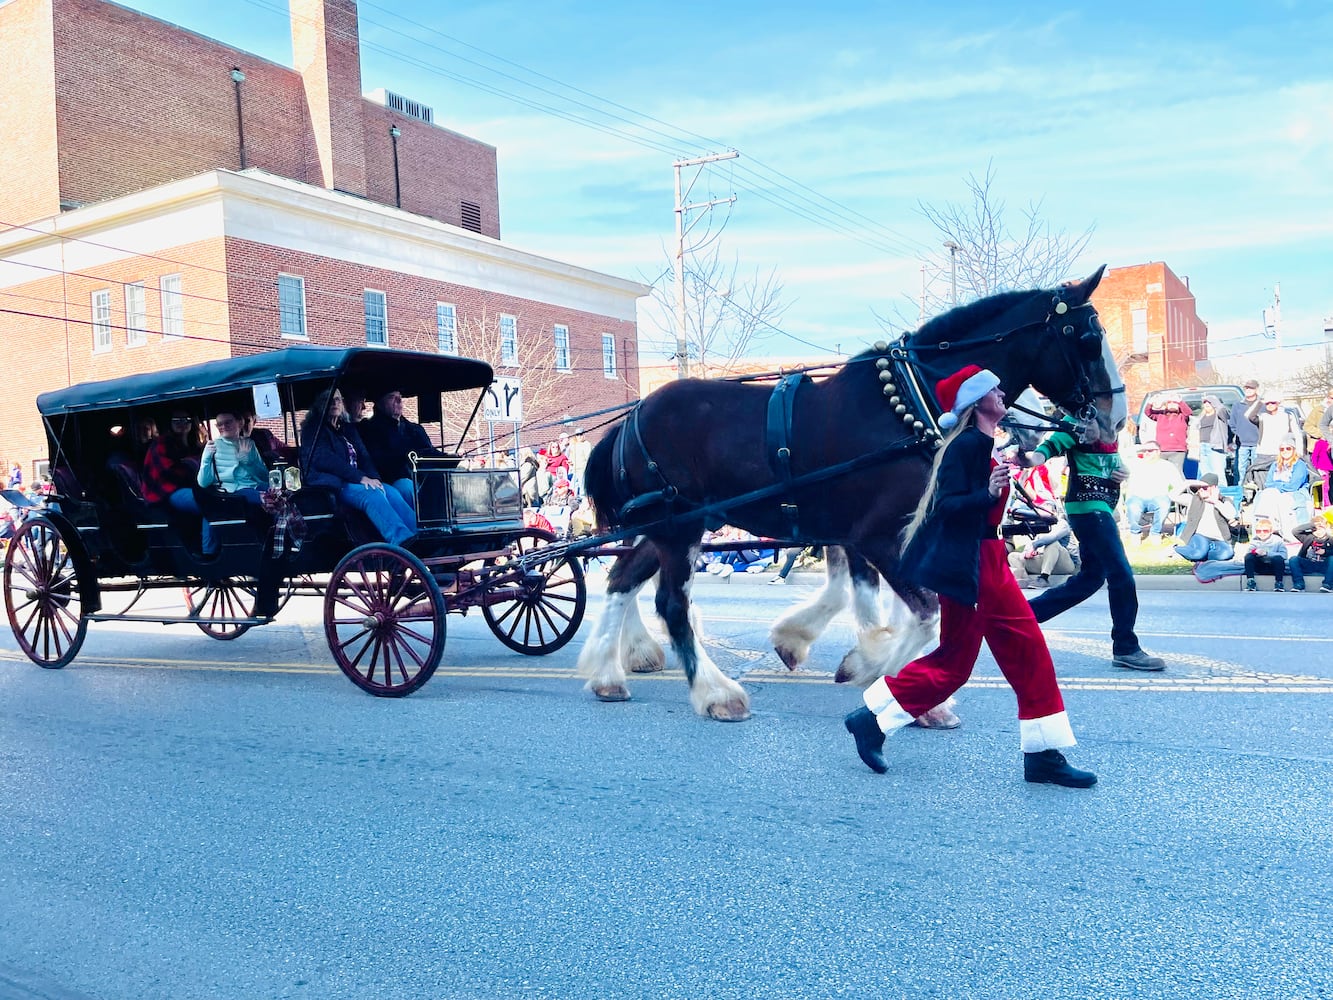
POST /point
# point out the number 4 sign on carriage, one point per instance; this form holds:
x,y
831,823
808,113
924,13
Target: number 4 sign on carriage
x,y
267,404
504,400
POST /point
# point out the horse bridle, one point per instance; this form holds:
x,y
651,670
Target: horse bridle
x,y
1078,347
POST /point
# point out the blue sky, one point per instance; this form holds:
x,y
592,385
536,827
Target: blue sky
x,y
1200,134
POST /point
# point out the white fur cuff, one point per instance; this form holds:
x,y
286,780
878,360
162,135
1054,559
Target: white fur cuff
x,y
1051,732
888,713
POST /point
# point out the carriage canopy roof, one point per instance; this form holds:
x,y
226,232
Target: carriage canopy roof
x,y
302,371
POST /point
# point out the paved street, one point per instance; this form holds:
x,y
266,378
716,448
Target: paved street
x,y
190,818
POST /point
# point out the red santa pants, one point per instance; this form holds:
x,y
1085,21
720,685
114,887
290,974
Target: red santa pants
x,y
1003,619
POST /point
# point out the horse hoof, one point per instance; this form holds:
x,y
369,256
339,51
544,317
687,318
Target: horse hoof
x,y
612,692
939,717
731,711
788,657
847,669
647,664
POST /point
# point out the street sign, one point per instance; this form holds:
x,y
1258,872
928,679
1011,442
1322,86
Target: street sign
x,y
504,400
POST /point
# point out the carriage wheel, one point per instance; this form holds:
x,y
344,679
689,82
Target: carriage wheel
x,y
42,595
384,619
226,598
549,605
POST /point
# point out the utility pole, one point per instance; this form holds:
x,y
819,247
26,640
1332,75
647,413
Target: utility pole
x,y
682,346
953,249
921,306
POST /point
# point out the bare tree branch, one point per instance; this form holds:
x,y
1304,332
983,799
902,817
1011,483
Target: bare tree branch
x,y
726,312
991,257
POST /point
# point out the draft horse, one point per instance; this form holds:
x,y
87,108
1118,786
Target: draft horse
x,y
842,461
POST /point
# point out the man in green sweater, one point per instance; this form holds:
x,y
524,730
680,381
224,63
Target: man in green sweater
x,y
1095,475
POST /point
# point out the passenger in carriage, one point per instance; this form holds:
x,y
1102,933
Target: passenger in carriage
x,y
171,468
269,444
233,461
333,456
391,438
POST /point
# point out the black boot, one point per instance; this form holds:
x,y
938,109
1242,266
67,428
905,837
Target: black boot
x,y
1050,768
869,738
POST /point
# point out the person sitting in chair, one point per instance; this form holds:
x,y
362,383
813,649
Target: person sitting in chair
x,y
333,456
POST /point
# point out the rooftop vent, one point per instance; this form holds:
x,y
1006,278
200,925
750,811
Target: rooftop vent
x,y
403,105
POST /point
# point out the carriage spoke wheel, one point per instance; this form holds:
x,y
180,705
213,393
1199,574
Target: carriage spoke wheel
x,y
549,603
226,598
384,620
42,595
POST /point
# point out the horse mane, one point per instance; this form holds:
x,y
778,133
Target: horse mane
x,y
956,322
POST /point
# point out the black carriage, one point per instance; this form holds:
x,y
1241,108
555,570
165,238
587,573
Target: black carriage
x,y
99,548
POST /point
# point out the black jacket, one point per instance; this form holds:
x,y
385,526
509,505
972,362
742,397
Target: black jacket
x,y
945,554
390,441
326,461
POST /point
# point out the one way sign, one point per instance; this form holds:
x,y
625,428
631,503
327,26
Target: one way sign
x,y
504,400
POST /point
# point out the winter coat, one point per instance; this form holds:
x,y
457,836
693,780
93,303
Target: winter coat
x,y
945,553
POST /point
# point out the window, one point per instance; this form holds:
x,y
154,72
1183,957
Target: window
x,y
173,307
562,363
102,320
446,327
136,315
608,355
291,306
508,340
1139,317
377,328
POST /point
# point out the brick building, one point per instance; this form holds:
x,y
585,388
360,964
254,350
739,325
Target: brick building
x,y
181,200
1150,318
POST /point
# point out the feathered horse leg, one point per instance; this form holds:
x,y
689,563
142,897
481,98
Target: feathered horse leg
x,y
712,693
796,630
617,637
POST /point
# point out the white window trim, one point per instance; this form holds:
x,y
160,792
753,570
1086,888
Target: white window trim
x,y
136,324
305,316
101,328
612,370
508,361
174,317
569,353
439,315
384,298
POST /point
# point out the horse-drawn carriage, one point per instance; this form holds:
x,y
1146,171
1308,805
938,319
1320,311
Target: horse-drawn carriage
x,y
384,606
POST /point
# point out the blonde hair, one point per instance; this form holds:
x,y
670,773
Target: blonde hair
x,y
965,420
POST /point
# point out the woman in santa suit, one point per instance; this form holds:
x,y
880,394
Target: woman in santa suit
x,y
953,547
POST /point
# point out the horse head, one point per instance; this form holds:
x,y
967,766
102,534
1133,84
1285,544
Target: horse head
x,y
1050,339
1094,394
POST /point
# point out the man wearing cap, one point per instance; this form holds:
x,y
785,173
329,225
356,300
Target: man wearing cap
x,y
1208,518
391,439
1275,422
953,547
1245,430
1095,475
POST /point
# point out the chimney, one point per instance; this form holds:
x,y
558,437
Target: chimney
x,y
327,51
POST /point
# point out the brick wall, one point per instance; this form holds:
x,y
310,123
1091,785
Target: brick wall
x,y
334,293
60,352
27,113
327,54
134,102
437,169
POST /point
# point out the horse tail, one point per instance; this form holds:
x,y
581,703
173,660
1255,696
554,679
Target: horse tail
x,y
599,479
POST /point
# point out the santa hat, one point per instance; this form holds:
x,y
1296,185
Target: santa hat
x,y
962,389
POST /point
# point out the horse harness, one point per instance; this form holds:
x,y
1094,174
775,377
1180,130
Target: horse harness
x,y
906,392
